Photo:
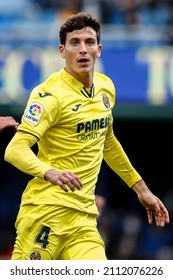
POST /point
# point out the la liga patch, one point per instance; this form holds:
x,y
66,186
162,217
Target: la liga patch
x,y
34,113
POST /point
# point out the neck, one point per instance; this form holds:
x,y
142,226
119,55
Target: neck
x,y
85,78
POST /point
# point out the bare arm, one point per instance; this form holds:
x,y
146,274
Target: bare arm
x,y
154,206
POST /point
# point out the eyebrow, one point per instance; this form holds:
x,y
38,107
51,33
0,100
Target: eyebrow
x,y
88,38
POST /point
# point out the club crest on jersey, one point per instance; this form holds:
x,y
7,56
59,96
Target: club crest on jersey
x,y
34,113
106,101
35,256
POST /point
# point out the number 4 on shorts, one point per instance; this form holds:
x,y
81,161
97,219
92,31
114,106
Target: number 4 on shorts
x,y
42,237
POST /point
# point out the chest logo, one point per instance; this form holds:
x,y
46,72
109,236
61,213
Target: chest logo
x,y
75,109
106,101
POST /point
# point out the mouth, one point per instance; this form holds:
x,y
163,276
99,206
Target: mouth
x,y
83,60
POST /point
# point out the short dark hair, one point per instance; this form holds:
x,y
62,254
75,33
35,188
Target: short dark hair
x,y
76,22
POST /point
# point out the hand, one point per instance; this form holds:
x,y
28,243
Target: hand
x,y
8,121
155,208
63,178
152,204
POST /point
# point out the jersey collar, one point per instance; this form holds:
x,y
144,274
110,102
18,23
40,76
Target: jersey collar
x,y
77,84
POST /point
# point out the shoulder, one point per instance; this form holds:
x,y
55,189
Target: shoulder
x,y
48,87
103,79
52,80
104,83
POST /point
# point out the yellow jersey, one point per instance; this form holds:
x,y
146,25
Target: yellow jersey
x,y
74,131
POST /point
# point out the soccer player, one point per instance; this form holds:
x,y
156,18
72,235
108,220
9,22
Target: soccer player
x,y
70,116
7,121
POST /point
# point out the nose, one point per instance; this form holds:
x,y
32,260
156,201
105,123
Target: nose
x,y
83,49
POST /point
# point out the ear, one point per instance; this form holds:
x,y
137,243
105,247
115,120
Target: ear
x,y
99,50
62,51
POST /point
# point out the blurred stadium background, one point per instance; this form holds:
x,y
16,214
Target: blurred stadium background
x,y
137,38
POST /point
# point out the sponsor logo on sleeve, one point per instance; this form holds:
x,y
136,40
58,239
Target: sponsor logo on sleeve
x,y
34,113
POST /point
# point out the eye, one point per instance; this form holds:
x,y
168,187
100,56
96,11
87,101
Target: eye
x,y
90,42
74,42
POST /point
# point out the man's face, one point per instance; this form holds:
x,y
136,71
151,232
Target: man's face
x,y
81,51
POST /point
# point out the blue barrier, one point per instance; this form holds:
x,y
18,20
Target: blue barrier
x,y
141,75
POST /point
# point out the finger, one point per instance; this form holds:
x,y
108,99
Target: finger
x,y
75,180
165,214
160,220
150,216
54,180
62,185
72,181
72,184
68,181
